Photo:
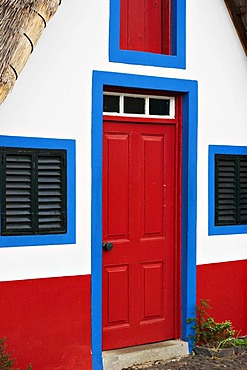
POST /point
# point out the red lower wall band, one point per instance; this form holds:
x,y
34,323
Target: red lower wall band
x,y
46,322
225,285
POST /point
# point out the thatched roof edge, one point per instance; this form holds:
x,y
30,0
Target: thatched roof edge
x,y
21,25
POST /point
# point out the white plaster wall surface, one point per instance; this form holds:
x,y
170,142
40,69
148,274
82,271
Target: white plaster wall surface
x,y
221,70
52,98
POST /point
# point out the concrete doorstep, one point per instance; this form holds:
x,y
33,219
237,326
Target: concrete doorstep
x,y
123,358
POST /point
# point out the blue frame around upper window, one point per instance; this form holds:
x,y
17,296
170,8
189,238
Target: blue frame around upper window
x,y
42,143
213,150
178,57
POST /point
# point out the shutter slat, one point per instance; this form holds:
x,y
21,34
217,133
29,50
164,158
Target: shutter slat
x,y
17,220
49,186
15,212
49,206
50,226
49,180
21,227
48,192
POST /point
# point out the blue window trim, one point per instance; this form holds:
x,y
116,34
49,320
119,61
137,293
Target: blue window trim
x,y
212,229
178,57
189,193
51,239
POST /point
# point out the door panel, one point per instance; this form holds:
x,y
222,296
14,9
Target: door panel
x,y
152,151
152,283
118,276
139,219
117,184
145,25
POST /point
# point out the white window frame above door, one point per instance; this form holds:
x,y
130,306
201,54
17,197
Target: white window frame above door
x,y
171,100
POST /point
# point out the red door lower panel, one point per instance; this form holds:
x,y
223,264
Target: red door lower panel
x,y
139,220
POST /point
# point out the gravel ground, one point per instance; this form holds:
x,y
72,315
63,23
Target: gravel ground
x,y
236,362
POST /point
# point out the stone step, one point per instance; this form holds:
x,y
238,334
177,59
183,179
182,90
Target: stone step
x,y
118,359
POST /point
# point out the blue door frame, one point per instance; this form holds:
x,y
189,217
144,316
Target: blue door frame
x,y
188,89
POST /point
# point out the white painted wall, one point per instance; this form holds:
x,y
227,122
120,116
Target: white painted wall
x,y
52,98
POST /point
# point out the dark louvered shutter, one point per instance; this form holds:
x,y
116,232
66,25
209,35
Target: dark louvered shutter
x,y
230,190
17,193
51,192
243,190
34,191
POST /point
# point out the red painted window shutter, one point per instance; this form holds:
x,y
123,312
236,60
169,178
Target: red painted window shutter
x,y
145,25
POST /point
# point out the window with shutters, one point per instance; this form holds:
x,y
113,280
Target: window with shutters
x,y
148,32
33,191
229,205
37,191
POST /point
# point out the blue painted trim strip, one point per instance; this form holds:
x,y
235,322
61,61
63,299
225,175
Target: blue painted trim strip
x,y
189,184
189,211
43,143
178,57
212,229
96,225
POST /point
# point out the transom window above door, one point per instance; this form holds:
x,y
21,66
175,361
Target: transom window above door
x,y
138,105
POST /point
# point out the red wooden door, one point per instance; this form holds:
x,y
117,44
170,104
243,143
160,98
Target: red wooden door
x,y
139,209
145,25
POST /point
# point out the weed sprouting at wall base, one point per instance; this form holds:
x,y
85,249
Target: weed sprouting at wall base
x,y
208,332
7,362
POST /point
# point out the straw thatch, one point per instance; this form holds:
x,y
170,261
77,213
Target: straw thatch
x,y
21,25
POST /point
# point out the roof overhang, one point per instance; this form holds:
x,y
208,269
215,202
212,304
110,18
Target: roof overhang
x,y
238,12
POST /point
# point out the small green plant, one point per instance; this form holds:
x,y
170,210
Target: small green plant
x,y
233,342
208,332
6,361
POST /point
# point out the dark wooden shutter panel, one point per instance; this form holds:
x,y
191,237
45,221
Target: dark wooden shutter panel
x,y
34,191
243,190
17,207
51,203
225,190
